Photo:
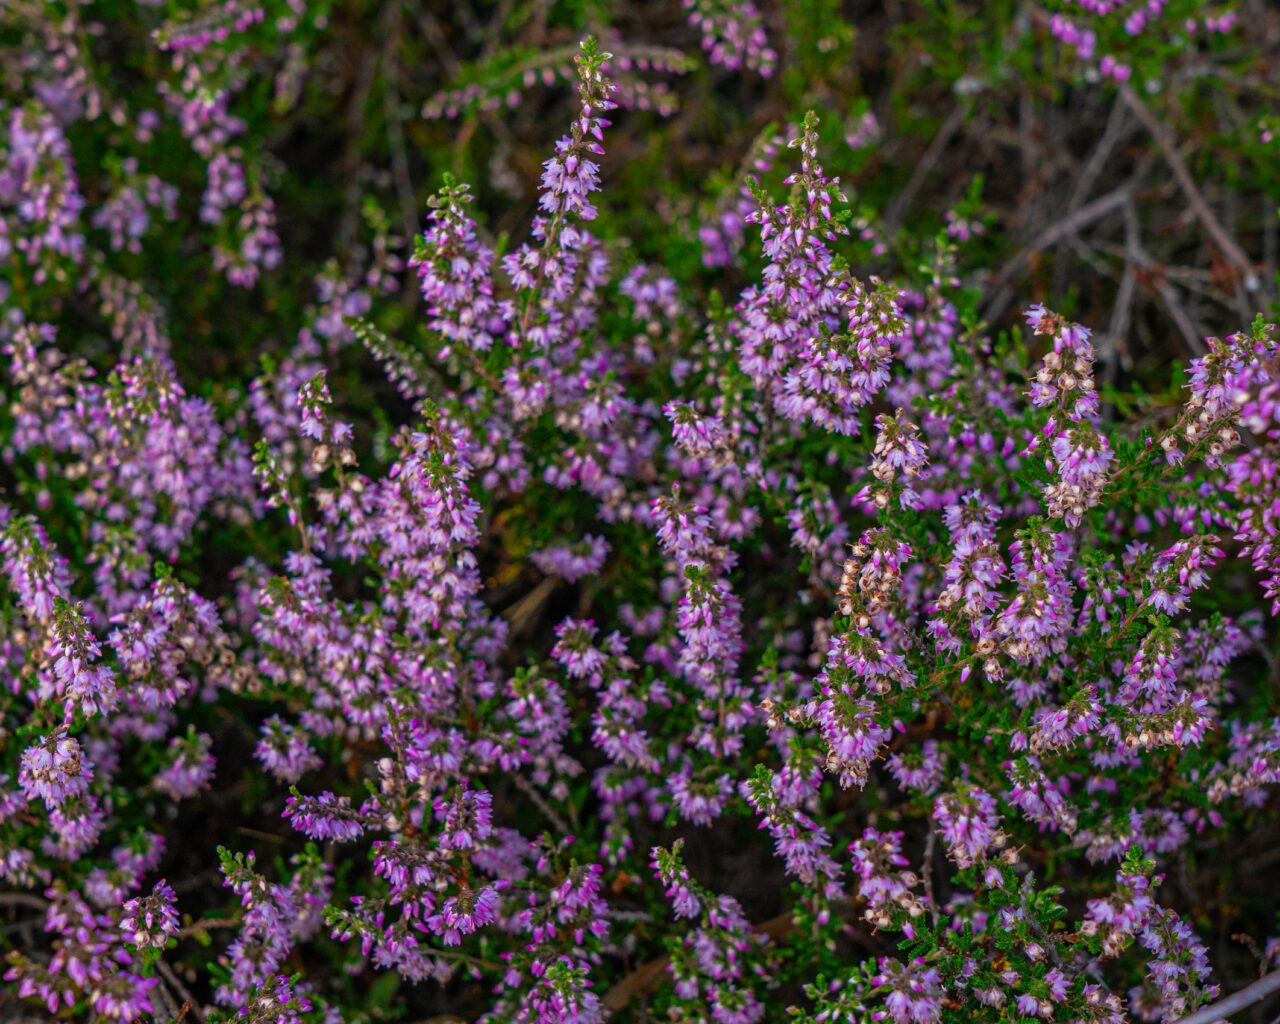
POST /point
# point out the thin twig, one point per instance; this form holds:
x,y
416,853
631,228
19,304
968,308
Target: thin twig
x,y
167,1004
898,210
206,924
552,815
1231,249
926,872
184,993
1050,236
1117,128
1114,340
1235,1002
23,899
1134,252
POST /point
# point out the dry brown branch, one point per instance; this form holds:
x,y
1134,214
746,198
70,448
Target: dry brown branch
x,y
902,203
1050,236
1235,1002
1164,140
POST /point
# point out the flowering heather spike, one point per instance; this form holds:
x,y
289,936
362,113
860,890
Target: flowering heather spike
x,y
969,825
86,687
973,573
1035,622
406,368
285,750
1038,797
1179,570
920,770
800,841
151,920
560,993
898,452
544,277
572,562
40,195
190,767
708,620
36,572
455,271
55,770
1065,380
325,817
887,890
700,436
732,34
913,991
1121,916
683,893
1179,967
813,338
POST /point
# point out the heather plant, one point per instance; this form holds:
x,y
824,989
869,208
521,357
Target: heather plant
x,y
453,573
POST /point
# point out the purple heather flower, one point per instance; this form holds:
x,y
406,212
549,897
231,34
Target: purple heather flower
x,y
733,35
882,883
920,769
969,824
465,913
325,817
285,750
914,991
1121,916
467,818
572,562
151,920
190,768
55,770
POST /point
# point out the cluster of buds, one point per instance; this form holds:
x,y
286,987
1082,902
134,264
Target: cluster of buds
x,y
701,436
150,921
1081,458
1184,567
1068,375
1065,378
969,822
1123,915
1218,438
849,575
886,884
1182,725
899,454
773,714
986,649
870,579
332,437
1221,383
1062,728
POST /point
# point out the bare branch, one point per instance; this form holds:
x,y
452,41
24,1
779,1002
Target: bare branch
x,y
1235,1002
1054,233
184,993
23,899
1118,126
898,211
1135,253
1221,237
